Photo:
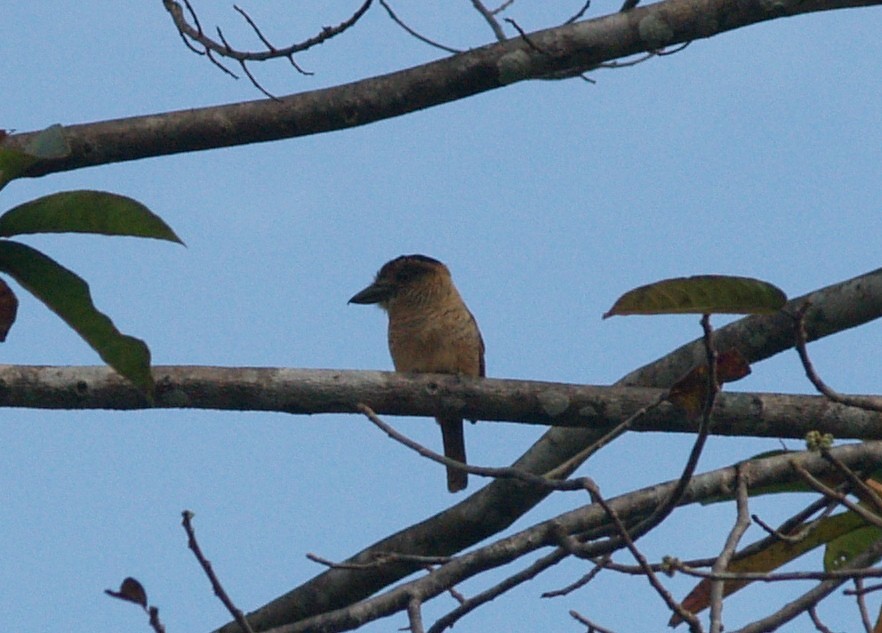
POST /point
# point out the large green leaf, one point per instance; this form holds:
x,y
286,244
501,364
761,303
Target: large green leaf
x,y
85,212
50,143
703,294
68,295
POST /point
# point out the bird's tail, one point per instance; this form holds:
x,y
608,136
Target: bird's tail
x,y
454,448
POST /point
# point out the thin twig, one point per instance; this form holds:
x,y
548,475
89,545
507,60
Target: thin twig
x,y
794,529
605,439
870,589
380,560
172,7
816,620
643,58
757,576
254,28
221,47
858,486
631,62
862,605
801,348
413,33
155,623
502,7
599,566
676,607
673,51
578,15
481,471
490,19
245,69
525,37
592,626
219,591
635,570
781,536
742,522
870,517
470,604
665,508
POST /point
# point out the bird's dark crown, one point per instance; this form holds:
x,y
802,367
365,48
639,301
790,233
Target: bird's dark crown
x,y
408,267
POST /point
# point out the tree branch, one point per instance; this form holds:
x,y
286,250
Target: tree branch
x,y
720,483
498,505
313,391
571,48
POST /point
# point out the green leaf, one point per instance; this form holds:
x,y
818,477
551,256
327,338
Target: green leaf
x,y
48,144
703,294
842,549
68,296
12,164
85,212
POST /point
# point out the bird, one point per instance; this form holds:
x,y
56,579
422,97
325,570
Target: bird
x,y
430,331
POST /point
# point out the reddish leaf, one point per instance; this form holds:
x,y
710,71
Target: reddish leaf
x,y
689,392
8,309
731,366
131,591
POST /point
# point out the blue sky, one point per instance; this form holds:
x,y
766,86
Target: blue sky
x,y
755,153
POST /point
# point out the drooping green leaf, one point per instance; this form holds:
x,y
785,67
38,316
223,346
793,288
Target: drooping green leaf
x,y
85,212
68,296
703,294
49,143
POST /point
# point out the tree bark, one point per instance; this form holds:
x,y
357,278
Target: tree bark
x,y
561,51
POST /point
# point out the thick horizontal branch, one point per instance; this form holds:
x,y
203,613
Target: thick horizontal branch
x,y
311,391
563,50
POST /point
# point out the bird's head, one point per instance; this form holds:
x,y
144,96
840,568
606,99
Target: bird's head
x,y
406,279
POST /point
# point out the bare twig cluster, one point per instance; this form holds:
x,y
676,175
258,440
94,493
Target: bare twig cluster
x,y
193,34
195,38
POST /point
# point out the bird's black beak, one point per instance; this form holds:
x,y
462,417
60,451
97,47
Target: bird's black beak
x,y
377,292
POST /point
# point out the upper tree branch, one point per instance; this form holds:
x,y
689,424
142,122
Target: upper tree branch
x,y
571,48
